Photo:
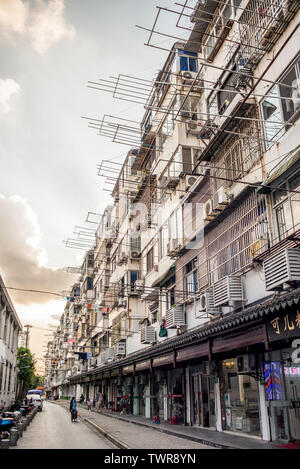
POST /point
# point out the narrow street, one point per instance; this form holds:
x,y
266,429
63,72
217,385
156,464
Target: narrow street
x,y
52,429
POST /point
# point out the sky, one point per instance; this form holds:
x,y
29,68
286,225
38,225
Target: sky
x,y
49,50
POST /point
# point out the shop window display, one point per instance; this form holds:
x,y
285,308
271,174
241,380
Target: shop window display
x,y
282,392
241,400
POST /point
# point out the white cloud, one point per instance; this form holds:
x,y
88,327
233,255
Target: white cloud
x,y
47,25
13,16
43,22
9,91
22,260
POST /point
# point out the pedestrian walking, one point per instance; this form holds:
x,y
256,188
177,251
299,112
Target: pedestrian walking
x,y
99,402
73,409
81,400
89,405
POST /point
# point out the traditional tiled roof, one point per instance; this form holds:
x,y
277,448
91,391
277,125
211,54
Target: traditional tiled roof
x,y
200,333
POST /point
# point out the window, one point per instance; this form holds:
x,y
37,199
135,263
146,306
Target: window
x,y
187,61
287,207
282,104
150,260
133,277
191,279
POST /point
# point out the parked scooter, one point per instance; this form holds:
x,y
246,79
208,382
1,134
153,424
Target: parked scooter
x,y
6,424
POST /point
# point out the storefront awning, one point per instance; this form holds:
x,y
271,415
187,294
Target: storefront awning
x,y
280,169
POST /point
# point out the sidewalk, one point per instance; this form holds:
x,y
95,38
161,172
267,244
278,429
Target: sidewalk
x,y
128,430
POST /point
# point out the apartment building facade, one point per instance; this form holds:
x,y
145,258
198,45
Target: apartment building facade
x,y
194,281
10,327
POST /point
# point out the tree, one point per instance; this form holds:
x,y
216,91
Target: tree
x,y
26,367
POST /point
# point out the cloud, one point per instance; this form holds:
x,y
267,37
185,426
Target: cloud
x,y
13,16
9,91
22,260
42,22
47,25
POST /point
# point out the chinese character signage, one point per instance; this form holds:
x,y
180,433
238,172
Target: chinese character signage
x,y
284,326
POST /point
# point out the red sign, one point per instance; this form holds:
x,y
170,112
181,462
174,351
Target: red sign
x,y
174,395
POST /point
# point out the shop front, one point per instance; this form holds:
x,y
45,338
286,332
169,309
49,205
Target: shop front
x,y
176,396
281,369
164,404
127,396
203,396
240,399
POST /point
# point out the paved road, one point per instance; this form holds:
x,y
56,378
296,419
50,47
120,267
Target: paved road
x,y
52,429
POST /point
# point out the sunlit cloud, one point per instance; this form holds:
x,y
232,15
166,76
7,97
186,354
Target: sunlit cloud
x,y
42,22
9,92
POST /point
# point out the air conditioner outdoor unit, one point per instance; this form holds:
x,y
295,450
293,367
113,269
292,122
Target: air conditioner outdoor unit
x,y
102,358
187,78
120,349
189,181
110,353
282,268
228,289
172,182
220,199
148,335
135,255
175,317
207,303
208,212
246,364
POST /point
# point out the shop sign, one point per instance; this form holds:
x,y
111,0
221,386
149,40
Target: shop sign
x,y
142,365
128,369
293,370
175,395
164,360
192,352
284,327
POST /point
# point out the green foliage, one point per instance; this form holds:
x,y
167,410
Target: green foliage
x,y
26,368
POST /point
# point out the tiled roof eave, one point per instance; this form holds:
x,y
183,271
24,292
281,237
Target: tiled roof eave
x,y
198,334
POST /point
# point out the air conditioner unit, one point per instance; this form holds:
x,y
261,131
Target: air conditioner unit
x,y
207,303
175,317
189,181
135,255
171,182
187,78
110,354
120,349
282,268
103,358
246,364
208,212
148,335
220,199
228,289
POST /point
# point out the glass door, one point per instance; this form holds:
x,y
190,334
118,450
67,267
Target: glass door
x,y
196,393
203,396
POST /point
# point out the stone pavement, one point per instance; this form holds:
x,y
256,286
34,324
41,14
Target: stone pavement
x,y
133,436
139,432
